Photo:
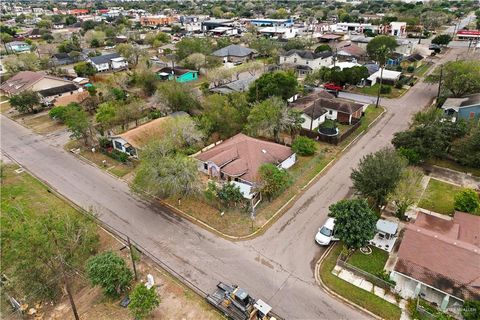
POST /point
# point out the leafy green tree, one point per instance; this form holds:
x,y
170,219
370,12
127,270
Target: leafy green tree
x,y
378,174
60,113
407,192
68,46
79,125
467,150
110,272
143,301
187,46
471,308
271,117
355,222
304,146
274,180
228,194
23,62
265,47
467,200
295,43
25,101
458,77
163,174
40,250
69,20
84,69
380,47
217,108
106,116
131,53
176,96
280,83
442,39
323,48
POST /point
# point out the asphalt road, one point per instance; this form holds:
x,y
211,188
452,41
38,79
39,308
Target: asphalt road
x,y
277,267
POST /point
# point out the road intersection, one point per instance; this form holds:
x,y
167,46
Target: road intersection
x,y
276,267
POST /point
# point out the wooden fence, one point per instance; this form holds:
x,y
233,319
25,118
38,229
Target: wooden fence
x,y
331,139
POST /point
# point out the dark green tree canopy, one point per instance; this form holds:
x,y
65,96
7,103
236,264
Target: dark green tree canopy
x,y
25,101
355,222
273,180
377,174
110,272
380,47
280,83
442,39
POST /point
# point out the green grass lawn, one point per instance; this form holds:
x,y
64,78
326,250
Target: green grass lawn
x,y
372,263
420,71
365,299
438,197
373,91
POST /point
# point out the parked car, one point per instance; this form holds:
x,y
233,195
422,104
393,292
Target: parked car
x,y
326,233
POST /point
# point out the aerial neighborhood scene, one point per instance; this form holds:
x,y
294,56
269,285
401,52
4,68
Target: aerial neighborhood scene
x,y
245,160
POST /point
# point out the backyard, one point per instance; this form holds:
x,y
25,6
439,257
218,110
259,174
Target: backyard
x,y
19,189
363,298
438,197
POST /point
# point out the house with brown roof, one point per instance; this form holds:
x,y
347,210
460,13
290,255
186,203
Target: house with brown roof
x,y
238,159
131,141
319,106
439,260
46,85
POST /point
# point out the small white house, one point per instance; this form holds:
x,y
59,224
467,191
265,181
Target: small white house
x,y
107,62
279,32
398,29
389,76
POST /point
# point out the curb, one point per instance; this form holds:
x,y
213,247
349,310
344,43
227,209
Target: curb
x,y
333,294
270,220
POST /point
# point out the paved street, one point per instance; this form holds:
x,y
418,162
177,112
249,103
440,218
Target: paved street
x,y
277,267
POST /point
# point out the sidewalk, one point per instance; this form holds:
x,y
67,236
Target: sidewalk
x,y
368,286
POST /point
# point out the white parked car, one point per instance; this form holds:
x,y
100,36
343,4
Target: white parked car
x,y
326,233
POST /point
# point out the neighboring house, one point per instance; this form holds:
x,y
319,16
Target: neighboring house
x,y
17,46
414,60
345,65
351,52
29,80
132,141
238,160
466,108
265,22
160,20
319,106
47,96
438,260
61,59
307,59
34,34
224,31
178,74
389,77
398,29
394,59
279,32
240,85
234,53
107,62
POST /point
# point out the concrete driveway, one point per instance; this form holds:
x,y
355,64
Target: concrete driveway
x,y
277,267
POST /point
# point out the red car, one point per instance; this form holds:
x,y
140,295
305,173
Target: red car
x,y
333,87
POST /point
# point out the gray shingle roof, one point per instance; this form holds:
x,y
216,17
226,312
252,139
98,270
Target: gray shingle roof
x,y
233,50
104,58
310,55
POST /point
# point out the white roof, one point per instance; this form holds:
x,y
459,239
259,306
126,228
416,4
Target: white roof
x,y
245,189
345,65
120,59
79,79
387,74
274,30
261,306
387,226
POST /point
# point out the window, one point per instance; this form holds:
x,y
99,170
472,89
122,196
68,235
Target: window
x,y
205,166
284,59
118,145
330,112
306,62
295,60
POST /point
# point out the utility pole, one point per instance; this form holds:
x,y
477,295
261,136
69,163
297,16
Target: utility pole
x,y
133,259
380,86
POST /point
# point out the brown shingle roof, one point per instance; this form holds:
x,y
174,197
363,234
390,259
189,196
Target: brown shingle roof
x,y
77,97
443,254
21,81
141,135
242,156
326,100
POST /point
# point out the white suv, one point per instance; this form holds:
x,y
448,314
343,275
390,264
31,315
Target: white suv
x,y
326,233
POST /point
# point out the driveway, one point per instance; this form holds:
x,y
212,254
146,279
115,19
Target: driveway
x,y
277,267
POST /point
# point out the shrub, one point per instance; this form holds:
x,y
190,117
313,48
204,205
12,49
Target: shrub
x,y
399,68
104,142
304,146
60,113
154,114
274,180
143,301
411,155
385,89
410,69
467,201
399,85
118,155
471,310
109,271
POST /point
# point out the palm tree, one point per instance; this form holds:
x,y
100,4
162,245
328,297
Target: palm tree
x,y
381,54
